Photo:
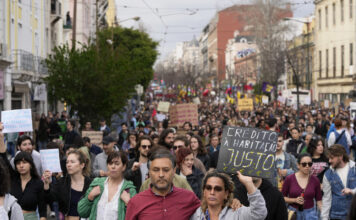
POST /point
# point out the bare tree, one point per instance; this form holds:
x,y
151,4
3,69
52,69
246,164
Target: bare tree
x,y
270,32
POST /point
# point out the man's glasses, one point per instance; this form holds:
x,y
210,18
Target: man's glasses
x,y
177,147
215,188
305,164
146,146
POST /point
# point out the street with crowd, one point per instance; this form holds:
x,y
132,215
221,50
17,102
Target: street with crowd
x,y
148,168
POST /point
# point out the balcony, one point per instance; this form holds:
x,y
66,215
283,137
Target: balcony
x,y
56,11
25,65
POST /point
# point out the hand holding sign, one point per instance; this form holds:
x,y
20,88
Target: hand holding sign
x,y
247,182
248,150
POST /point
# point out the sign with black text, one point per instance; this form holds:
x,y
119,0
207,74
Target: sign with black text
x,y
248,150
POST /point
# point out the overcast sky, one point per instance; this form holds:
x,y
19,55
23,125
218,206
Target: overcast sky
x,y
173,21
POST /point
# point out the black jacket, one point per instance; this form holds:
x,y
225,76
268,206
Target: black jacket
x,y
134,176
294,147
194,180
276,206
60,192
205,159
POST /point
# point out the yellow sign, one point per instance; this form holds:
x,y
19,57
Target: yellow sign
x,y
245,104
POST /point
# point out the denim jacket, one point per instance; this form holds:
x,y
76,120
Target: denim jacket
x,y
290,164
336,205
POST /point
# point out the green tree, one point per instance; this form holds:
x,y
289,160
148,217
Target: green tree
x,y
97,79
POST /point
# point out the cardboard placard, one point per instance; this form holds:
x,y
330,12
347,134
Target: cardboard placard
x,y
245,104
347,102
50,160
184,112
17,120
248,150
163,106
96,137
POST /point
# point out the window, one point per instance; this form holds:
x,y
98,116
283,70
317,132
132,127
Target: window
x,y
351,8
327,63
351,54
342,60
326,17
342,10
320,59
319,12
334,61
334,14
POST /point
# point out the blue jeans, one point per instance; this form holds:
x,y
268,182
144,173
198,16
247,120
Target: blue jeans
x,y
306,214
11,148
41,145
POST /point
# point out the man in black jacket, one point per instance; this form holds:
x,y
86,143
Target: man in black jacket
x,y
276,207
137,169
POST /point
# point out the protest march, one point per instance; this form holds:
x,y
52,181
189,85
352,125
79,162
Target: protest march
x,y
199,161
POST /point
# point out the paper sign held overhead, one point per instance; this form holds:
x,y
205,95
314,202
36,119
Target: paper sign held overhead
x,y
17,120
163,106
265,99
50,160
248,150
353,110
326,103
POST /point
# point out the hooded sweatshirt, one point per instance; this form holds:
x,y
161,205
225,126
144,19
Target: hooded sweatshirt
x,y
10,204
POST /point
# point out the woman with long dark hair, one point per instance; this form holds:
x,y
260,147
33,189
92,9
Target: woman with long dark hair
x,y
9,208
199,151
301,189
316,149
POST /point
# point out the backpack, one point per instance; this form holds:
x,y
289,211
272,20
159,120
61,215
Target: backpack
x,y
341,139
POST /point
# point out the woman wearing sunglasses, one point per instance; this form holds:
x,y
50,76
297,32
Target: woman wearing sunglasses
x,y
217,197
301,189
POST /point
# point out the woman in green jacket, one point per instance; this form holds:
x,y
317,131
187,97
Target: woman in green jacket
x,y
107,197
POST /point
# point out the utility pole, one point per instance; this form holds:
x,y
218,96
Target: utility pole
x,y
74,32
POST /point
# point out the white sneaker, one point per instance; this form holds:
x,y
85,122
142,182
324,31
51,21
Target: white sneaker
x,y
53,214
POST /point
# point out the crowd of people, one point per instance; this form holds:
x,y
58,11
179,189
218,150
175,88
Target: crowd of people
x,y
149,169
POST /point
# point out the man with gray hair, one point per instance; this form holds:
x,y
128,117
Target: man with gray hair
x,y
160,200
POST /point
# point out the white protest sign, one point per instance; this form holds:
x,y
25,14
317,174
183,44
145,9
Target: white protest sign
x,y
160,117
196,100
17,120
307,100
326,103
163,106
265,99
50,160
353,110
